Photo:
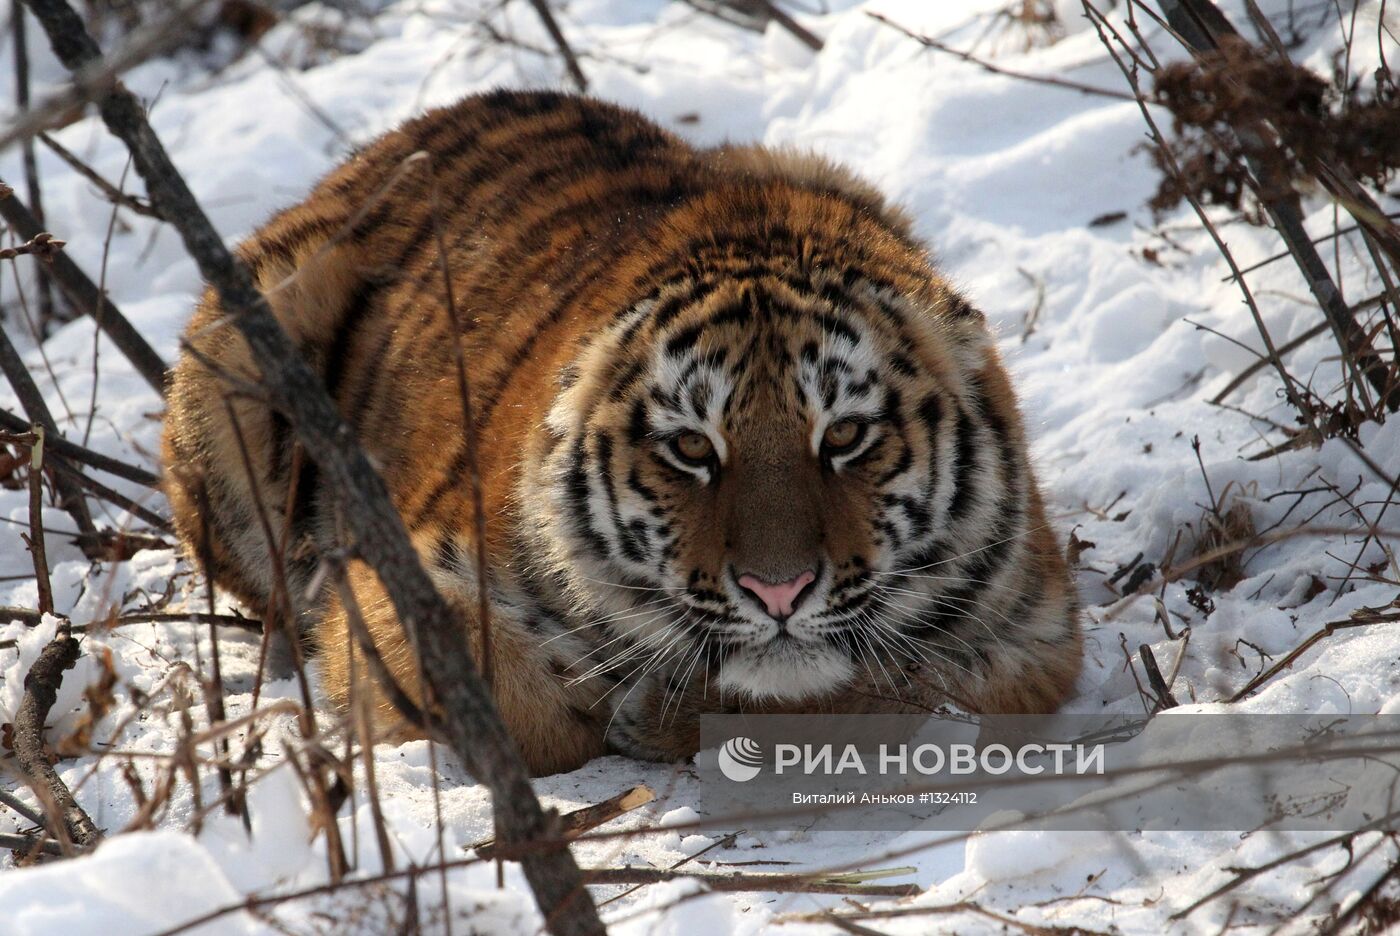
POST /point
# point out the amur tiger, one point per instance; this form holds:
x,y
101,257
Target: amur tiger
x,y
740,446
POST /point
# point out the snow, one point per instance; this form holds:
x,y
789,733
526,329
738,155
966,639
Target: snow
x,y
1003,178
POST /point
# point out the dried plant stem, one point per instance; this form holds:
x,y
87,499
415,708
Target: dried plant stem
x,y
469,434
1200,25
847,920
1243,875
33,617
36,522
1296,398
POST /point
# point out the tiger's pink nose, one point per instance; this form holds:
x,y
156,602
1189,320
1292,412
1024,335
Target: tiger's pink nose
x,y
777,599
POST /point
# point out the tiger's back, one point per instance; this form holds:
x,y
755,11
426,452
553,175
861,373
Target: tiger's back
x,y
602,277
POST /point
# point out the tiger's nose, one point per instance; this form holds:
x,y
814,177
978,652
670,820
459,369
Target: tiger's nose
x,y
778,600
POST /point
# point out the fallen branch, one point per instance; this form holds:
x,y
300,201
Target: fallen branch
x,y
21,807
471,725
41,686
575,823
30,844
101,75
1363,618
776,882
33,618
847,920
33,188
103,492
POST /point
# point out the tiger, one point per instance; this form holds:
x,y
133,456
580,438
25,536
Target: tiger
x,y
674,430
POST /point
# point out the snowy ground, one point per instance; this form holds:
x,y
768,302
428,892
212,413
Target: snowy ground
x,y
1003,178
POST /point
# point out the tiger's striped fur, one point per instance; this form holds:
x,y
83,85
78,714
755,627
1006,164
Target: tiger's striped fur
x,y
618,289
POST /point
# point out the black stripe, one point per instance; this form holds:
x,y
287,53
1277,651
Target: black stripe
x,y
576,488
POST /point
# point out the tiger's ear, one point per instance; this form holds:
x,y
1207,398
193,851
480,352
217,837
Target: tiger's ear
x,y
961,313
972,343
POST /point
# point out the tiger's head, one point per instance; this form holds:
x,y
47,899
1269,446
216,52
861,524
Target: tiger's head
x,y
766,472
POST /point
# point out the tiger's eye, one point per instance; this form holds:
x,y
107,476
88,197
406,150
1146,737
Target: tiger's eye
x,y
694,447
841,435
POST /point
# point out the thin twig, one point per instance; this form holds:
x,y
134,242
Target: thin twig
x,y
1165,699
31,165
1359,619
21,807
84,296
70,496
803,35
70,451
42,246
1264,362
111,192
551,26
1049,80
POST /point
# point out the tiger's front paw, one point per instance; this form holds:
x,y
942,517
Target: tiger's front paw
x,y
650,724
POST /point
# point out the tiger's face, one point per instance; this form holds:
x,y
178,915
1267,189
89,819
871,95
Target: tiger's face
x,y
747,478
